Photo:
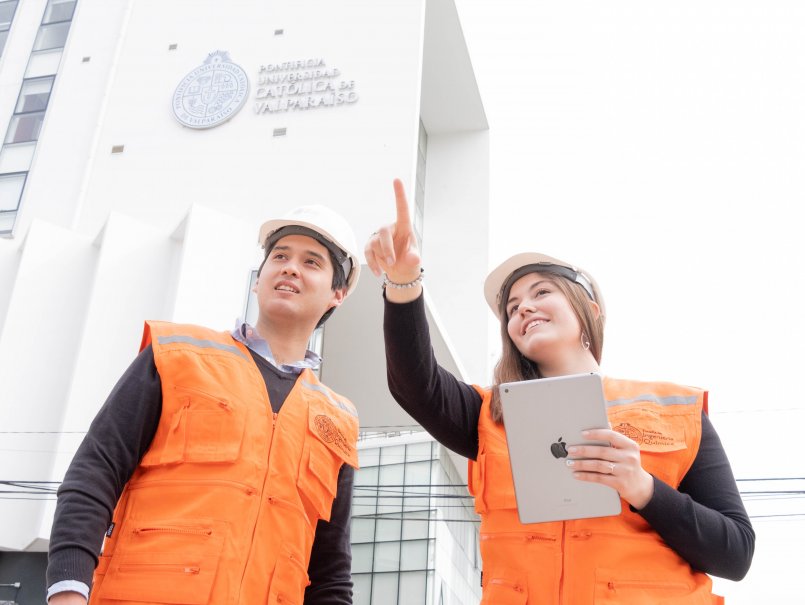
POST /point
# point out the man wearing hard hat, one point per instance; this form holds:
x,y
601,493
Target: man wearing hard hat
x,y
220,468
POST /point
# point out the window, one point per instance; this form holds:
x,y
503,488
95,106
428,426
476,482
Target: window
x,y
7,10
414,555
361,588
11,186
26,123
10,189
387,557
52,36
34,95
384,589
25,127
59,10
388,530
363,530
362,558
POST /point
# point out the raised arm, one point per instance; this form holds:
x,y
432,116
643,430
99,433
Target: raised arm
x,y
445,406
392,250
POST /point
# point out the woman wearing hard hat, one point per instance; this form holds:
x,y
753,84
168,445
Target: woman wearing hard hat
x,y
682,516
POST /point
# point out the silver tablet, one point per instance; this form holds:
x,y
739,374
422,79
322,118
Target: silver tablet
x,y
542,418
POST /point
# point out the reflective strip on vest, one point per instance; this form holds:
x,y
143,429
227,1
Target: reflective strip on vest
x,y
330,398
670,400
201,344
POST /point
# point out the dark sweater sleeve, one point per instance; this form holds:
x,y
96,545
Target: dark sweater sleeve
x,y
445,407
330,567
116,440
705,520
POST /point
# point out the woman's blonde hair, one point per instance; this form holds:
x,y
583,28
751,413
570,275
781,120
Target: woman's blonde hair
x,y
513,366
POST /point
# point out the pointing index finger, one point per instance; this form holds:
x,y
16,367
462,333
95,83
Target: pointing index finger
x,y
403,217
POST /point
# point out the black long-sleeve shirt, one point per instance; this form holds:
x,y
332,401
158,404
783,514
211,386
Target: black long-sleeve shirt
x,y
113,447
704,520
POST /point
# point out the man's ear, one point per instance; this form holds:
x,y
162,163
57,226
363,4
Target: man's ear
x,y
338,297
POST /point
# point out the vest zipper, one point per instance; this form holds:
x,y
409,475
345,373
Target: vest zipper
x,y
532,537
513,585
562,568
157,567
613,585
274,416
194,531
221,482
273,500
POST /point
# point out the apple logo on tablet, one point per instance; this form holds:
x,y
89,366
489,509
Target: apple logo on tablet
x,y
558,449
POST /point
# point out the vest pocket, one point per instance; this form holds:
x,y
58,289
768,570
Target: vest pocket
x,y
289,581
634,587
202,429
498,484
505,589
329,443
318,480
164,563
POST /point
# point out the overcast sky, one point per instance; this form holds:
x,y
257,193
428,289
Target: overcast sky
x,y
661,146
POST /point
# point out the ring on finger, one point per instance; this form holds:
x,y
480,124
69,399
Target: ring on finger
x,y
611,468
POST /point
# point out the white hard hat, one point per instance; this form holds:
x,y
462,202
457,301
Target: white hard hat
x,y
334,231
499,281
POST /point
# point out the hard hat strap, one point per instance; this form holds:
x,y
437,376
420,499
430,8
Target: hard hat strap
x,y
340,255
566,272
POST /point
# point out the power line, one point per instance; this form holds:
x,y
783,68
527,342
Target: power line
x,y
775,479
43,432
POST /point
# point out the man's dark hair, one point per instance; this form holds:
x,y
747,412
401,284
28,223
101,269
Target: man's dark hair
x,y
339,279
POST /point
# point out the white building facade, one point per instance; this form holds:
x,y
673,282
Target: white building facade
x,y
145,143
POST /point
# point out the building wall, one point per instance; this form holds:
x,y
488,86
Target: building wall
x,y
456,242
165,226
122,96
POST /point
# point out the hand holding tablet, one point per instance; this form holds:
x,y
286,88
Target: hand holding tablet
x,y
544,419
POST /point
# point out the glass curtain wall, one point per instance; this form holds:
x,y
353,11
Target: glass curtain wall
x,y
403,495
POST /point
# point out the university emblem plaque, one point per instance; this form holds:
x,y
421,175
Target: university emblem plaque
x,y
212,93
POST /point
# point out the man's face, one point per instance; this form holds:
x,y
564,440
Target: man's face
x,y
295,283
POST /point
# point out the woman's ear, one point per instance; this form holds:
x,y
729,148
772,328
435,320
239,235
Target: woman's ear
x,y
596,309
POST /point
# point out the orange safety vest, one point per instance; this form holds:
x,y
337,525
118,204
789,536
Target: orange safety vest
x,y
600,561
224,504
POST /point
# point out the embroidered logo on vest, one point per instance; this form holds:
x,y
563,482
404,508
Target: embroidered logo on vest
x,y
645,436
633,433
330,433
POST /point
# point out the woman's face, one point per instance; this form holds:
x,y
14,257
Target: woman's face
x,y
542,323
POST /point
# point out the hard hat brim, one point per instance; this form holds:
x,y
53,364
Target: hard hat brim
x,y
273,225
499,277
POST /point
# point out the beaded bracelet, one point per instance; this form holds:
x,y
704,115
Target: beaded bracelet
x,y
387,283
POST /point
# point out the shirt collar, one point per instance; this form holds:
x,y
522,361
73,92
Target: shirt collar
x,y
247,335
